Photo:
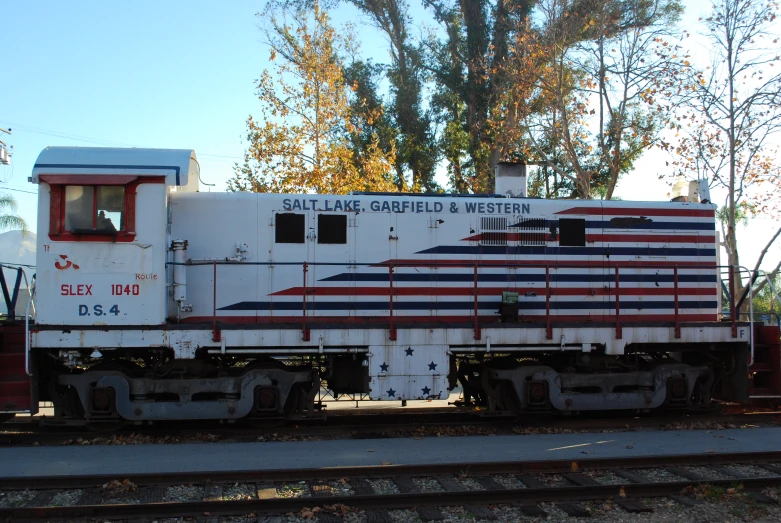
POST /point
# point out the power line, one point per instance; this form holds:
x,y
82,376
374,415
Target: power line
x,y
17,190
87,139
58,134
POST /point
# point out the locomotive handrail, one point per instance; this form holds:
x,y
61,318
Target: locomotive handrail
x,y
752,278
31,288
11,297
461,264
467,264
732,269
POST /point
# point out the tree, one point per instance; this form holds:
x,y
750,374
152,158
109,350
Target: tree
x,y
416,148
8,217
466,66
589,88
302,141
735,109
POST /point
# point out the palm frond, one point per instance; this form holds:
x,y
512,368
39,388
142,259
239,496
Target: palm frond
x,y
9,220
7,202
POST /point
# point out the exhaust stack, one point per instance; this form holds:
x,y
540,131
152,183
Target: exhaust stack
x,y
510,179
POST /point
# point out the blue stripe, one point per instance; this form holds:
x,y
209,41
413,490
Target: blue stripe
x,y
469,277
537,305
683,226
480,250
95,166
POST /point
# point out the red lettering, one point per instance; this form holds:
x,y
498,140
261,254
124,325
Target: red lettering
x,y
79,290
117,289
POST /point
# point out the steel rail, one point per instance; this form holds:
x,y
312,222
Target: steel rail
x,y
379,501
384,471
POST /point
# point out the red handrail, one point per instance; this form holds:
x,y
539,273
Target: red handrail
x,y
216,336
549,292
304,330
392,328
477,321
675,284
619,330
548,329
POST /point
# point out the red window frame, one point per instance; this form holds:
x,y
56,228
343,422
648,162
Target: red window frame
x,y
57,184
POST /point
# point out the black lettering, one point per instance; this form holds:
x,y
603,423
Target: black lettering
x,y
470,206
98,310
526,208
286,204
83,310
374,205
437,206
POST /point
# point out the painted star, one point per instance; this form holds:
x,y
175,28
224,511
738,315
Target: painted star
x,y
426,391
432,366
391,393
384,367
409,351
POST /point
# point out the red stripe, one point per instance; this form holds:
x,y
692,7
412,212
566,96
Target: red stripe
x,y
381,322
634,211
494,291
541,264
620,238
651,238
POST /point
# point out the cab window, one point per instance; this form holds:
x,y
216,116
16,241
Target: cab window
x,y
94,209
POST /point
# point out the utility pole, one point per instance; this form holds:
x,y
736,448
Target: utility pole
x,y
5,153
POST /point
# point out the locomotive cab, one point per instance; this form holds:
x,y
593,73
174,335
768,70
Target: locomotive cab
x,y
102,244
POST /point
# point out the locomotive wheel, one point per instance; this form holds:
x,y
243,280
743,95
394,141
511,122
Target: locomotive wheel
x,y
508,398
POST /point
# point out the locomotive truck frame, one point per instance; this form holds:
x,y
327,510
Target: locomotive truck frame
x,y
157,302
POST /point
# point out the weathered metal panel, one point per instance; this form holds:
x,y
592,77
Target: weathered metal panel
x,y
398,372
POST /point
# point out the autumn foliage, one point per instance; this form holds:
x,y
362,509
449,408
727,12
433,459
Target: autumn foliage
x,y
300,142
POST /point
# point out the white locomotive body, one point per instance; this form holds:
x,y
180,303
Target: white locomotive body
x,y
161,302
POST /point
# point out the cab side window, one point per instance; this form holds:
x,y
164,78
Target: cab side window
x,y
94,209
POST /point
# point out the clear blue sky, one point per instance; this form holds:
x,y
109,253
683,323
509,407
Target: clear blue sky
x,y
146,73
170,74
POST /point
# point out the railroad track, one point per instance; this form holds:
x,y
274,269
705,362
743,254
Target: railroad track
x,y
481,488
419,422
